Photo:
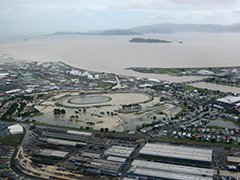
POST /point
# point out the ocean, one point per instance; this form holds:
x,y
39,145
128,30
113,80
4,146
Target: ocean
x,y
115,53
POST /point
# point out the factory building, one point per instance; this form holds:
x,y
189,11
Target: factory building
x,y
91,155
79,133
48,153
233,163
98,166
177,155
152,170
15,129
63,136
119,151
117,159
227,102
59,142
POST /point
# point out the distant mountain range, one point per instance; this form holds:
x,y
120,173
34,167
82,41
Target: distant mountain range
x,y
115,32
170,28
162,28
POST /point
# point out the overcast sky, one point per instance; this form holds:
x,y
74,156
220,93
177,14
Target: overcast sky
x,y
47,16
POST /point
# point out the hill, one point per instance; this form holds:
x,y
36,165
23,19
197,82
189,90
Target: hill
x,y
170,28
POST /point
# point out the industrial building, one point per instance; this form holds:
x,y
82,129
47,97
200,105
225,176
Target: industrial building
x,y
233,159
177,154
15,129
119,151
79,133
233,163
116,159
60,142
152,170
98,166
53,154
227,102
91,155
64,136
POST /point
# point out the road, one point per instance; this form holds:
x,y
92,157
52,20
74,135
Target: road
x,y
118,85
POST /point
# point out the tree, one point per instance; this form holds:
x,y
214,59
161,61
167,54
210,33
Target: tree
x,y
106,129
63,111
102,129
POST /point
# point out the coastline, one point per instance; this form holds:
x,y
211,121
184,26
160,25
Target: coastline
x,y
101,54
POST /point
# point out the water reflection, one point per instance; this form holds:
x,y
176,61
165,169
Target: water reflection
x,y
215,87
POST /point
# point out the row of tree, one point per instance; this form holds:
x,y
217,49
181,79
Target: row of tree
x,y
131,106
59,111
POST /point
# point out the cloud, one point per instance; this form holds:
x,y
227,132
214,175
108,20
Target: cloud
x,y
236,11
172,4
205,3
98,14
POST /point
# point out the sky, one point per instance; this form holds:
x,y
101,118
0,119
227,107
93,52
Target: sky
x,y
48,16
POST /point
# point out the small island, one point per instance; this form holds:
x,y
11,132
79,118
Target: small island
x,y
142,40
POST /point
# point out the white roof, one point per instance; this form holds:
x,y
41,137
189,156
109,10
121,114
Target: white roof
x,y
180,152
61,142
119,151
79,133
145,85
3,74
233,159
230,99
238,104
170,171
50,152
117,159
15,129
12,91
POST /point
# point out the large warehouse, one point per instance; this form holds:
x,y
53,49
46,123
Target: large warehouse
x,y
227,102
15,129
153,170
119,151
177,154
49,153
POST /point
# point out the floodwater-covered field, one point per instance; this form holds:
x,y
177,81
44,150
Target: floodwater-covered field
x,y
107,114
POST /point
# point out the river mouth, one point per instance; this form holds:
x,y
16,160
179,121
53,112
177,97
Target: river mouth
x,y
89,100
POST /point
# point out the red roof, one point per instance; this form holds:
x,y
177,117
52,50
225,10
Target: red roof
x,y
2,94
3,160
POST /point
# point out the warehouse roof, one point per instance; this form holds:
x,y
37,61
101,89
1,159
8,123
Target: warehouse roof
x,y
79,133
63,136
179,152
116,159
119,151
91,155
230,99
233,159
64,142
15,129
169,171
107,166
53,153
